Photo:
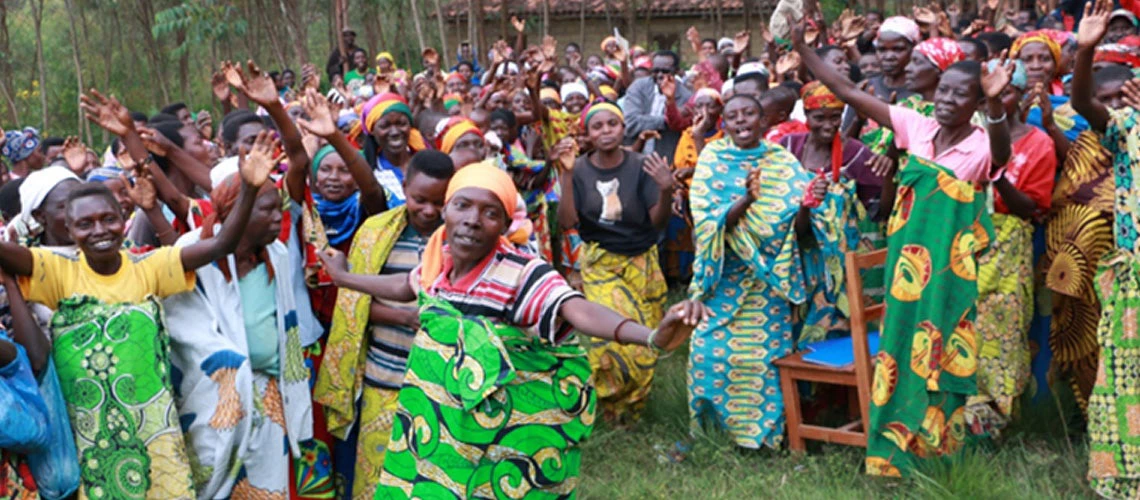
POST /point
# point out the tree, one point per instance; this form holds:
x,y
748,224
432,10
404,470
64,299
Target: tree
x,y
38,19
6,85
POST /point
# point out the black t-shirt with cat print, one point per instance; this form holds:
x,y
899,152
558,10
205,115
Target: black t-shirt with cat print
x,y
613,205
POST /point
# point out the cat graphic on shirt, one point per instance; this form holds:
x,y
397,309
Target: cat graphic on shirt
x,y
611,203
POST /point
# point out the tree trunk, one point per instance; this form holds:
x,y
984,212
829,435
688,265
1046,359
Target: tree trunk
x,y
6,82
76,59
479,44
630,31
416,24
294,18
546,18
272,30
144,14
183,70
582,25
719,12
37,21
443,35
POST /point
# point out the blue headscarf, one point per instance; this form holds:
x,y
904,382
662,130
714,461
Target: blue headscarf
x,y
103,174
340,218
20,144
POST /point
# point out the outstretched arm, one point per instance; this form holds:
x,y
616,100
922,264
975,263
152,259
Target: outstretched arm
x,y
25,329
994,83
866,104
393,287
1092,29
259,88
601,322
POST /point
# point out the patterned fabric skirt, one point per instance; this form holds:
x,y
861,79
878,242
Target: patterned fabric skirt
x,y
731,380
1005,307
487,411
118,392
265,473
312,472
16,481
377,413
1114,407
636,289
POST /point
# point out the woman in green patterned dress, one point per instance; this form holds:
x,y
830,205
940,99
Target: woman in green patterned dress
x,y
497,394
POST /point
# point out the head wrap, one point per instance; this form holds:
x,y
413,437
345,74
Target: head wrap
x,y
223,197
1039,36
381,105
33,191
320,156
452,100
20,144
606,41
1118,54
484,175
1020,79
454,129
346,118
549,93
103,174
569,89
455,75
724,43
505,69
706,91
942,52
388,56
597,107
752,67
816,95
608,92
1125,13
225,168
1061,37
902,26
643,62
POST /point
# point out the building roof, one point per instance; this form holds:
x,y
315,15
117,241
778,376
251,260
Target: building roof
x,y
598,8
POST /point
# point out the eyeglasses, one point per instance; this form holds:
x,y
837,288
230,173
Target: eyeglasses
x,y
661,71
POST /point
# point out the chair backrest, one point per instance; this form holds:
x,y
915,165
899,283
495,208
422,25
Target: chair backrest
x,y
861,312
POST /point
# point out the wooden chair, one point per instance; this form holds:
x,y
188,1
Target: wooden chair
x,y
856,376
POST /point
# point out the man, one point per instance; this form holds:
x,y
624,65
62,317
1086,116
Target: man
x,y
897,37
179,110
644,106
21,149
1121,23
335,66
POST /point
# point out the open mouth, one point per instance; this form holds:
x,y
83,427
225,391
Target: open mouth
x,y
464,240
103,245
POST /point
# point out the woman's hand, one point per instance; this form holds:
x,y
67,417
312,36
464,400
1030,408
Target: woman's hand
x,y
320,120
995,81
336,264
1094,24
262,159
657,168
882,166
107,112
257,85
155,142
678,324
75,154
142,192
754,180
1131,91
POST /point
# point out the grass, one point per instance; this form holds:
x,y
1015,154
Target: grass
x,y
1043,455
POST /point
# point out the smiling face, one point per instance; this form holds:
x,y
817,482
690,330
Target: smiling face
x,y
456,86
575,103
824,123
360,61
334,180
593,62
520,103
474,219
1039,64
52,214
708,48
956,98
921,74
425,195
384,65
605,130
391,132
743,121
894,54
498,100
96,226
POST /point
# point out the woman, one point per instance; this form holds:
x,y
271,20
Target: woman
x,y
129,442
532,178
927,361
508,317
1042,58
1005,297
42,220
620,202
386,67
823,151
461,133
744,231
390,142
243,389
706,106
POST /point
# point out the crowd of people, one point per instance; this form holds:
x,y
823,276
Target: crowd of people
x,y
369,283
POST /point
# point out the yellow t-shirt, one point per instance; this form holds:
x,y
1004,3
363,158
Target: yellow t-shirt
x,y
60,275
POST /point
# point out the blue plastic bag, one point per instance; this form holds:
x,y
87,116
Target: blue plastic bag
x,y
23,413
56,469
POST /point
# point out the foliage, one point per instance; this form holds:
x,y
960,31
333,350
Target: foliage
x,y
202,21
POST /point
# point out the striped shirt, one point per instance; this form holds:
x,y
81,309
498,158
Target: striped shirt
x,y
510,287
389,345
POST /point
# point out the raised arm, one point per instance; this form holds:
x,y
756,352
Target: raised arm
x,y
1092,29
254,171
866,104
994,82
259,88
658,168
321,123
158,144
394,287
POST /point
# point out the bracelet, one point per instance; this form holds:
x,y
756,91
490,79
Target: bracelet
x,y
651,341
617,330
992,121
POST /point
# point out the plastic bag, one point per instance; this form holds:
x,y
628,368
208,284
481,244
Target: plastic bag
x,y
23,414
56,469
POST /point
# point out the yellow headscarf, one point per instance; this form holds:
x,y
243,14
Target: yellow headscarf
x,y
1040,37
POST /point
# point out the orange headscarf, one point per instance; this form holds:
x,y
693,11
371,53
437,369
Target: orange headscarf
x,y
484,175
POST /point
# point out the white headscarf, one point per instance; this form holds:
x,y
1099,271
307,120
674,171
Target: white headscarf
x,y
33,192
575,87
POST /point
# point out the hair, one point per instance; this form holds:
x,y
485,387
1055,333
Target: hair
x,y
465,63
995,41
1112,73
432,163
827,49
93,189
792,85
756,76
875,12
287,70
138,116
973,69
50,142
504,115
233,121
173,109
750,98
358,49
575,45
170,128
671,55
708,40
10,198
274,75
980,47
779,95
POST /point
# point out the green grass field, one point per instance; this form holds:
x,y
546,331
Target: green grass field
x,y
1032,458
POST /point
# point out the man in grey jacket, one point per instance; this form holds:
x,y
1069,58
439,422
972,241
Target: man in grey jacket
x,y
644,106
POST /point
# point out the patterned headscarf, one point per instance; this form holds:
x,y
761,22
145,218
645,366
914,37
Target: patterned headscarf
x,y
1020,79
452,100
1039,36
549,93
20,144
595,108
707,91
1118,54
902,26
454,129
942,52
816,95
381,105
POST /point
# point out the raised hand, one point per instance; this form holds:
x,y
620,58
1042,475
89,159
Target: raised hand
x,y
106,112
310,77
205,124
694,38
995,81
142,192
851,27
256,85
669,87
320,122
519,24
740,42
1131,91
549,48
657,168
155,142
678,324
221,87
75,154
261,160
787,63
1094,24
